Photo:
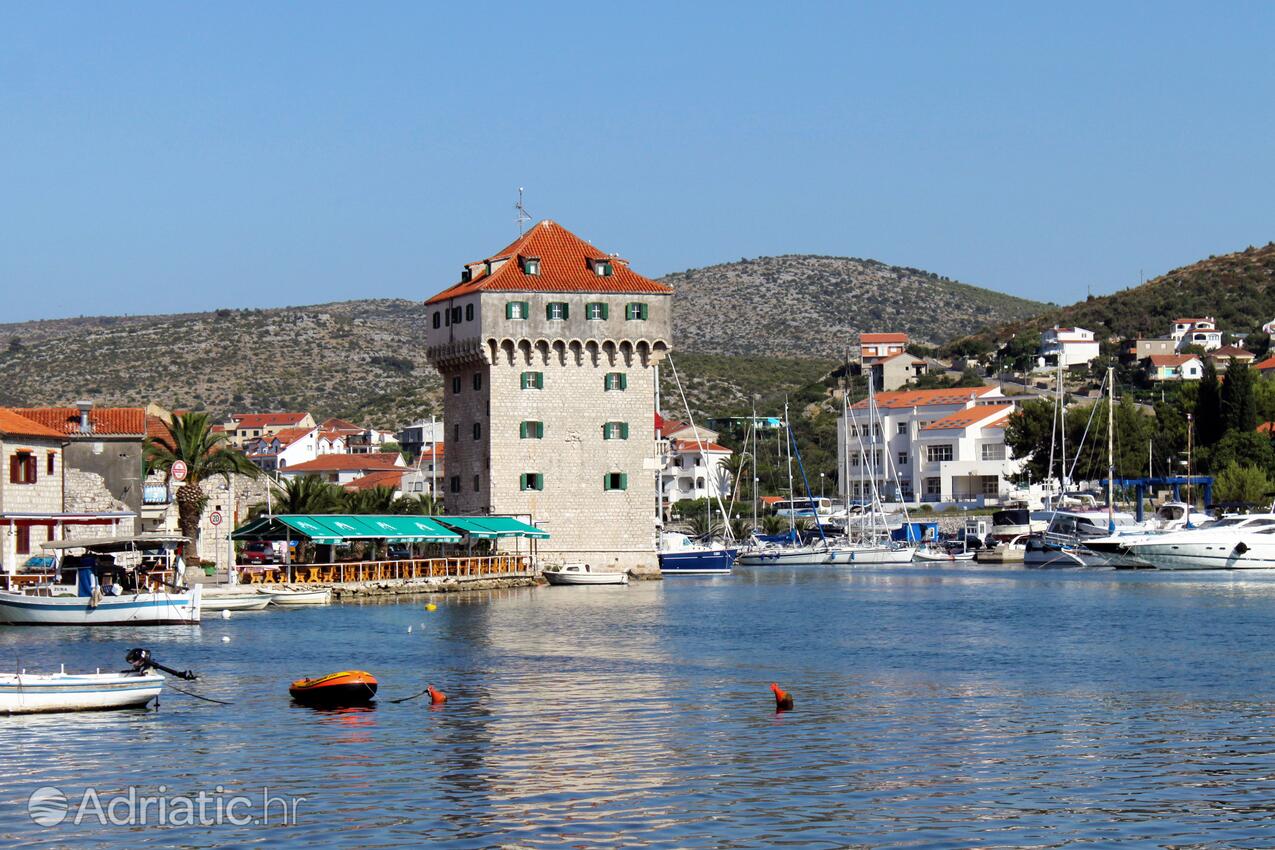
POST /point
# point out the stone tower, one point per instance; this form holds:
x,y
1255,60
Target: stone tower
x,y
547,351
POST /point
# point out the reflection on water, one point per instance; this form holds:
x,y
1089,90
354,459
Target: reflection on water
x,y
934,706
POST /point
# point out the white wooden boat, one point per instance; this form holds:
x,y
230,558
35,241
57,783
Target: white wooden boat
x,y
233,602
150,608
778,556
869,553
297,597
583,574
29,693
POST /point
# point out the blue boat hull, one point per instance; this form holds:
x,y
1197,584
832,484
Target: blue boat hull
x,y
710,562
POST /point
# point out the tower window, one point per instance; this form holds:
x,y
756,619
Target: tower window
x,y
478,483
478,430
595,310
615,381
456,384
517,310
531,430
615,431
478,380
455,484
635,311
615,481
533,380
531,481
556,311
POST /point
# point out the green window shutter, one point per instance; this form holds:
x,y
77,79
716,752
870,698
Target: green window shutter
x,y
606,430
642,312
540,380
606,481
624,381
605,310
539,430
624,430
624,481
549,310
628,311
509,310
566,311
522,430
524,379
522,481
526,309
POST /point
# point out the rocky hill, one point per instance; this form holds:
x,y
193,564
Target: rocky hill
x,y
1237,289
746,329
810,306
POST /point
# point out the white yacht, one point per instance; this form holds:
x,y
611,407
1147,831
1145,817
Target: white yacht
x,y
1243,542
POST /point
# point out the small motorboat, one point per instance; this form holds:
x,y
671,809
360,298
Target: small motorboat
x,y
297,597
335,690
938,553
582,574
234,602
29,693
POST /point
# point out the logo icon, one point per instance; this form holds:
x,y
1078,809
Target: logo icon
x,y
47,806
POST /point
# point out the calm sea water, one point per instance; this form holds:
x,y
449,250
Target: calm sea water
x,y
936,707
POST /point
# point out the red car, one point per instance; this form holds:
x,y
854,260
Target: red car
x,y
258,552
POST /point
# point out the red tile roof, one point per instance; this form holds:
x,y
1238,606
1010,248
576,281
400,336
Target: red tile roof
x,y
435,452
385,478
1268,363
702,445
924,398
335,424
1171,360
1191,321
14,424
870,339
962,419
564,267
288,436
1228,351
266,420
106,421
348,463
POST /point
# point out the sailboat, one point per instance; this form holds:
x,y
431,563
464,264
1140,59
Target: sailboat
x,y
794,552
871,543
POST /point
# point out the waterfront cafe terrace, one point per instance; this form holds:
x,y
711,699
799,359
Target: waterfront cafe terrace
x,y
449,546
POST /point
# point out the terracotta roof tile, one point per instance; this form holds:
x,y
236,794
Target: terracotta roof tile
x,y
106,421
384,478
14,424
348,463
702,445
288,436
336,424
923,398
1171,360
564,267
962,419
870,339
1268,363
267,420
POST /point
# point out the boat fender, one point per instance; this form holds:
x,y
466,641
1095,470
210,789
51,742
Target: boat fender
x,y
1241,548
436,697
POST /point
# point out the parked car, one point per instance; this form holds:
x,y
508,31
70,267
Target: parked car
x,y
258,552
398,552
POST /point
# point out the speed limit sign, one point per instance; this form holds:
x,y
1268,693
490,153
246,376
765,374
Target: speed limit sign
x,y
215,517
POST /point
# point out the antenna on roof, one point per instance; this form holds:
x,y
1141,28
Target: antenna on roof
x,y
523,216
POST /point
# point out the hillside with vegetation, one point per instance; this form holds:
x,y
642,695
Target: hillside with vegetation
x,y
812,306
1237,289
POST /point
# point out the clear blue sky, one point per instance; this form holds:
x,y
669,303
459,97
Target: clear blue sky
x,y
165,157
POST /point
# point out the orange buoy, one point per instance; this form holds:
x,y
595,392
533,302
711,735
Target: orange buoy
x,y
783,699
349,687
435,695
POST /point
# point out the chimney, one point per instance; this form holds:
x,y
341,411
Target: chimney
x,y
86,427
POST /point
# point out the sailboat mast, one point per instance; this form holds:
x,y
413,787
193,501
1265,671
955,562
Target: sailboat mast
x,y
754,468
1062,430
1111,451
792,498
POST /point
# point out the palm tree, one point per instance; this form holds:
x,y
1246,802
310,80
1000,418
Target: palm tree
x,y
772,524
307,494
701,525
421,504
741,528
374,500
207,454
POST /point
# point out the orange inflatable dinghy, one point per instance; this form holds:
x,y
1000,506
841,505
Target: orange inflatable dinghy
x,y
349,687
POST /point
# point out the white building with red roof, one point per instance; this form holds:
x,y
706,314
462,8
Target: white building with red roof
x,y
928,445
242,427
691,468
343,469
876,346
1174,367
1196,330
284,448
547,350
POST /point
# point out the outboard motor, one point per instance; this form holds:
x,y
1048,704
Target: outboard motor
x,y
141,661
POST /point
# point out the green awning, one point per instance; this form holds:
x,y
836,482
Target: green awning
x,y
341,528
492,527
